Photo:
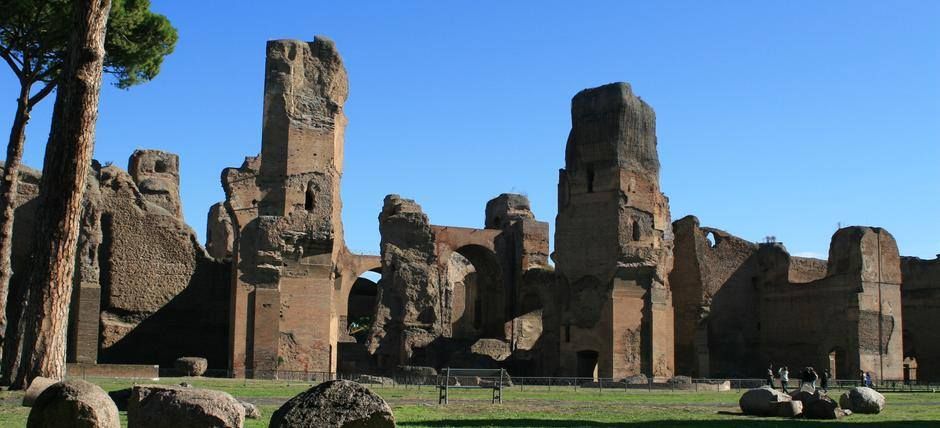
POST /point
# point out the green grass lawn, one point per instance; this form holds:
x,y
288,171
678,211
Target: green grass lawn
x,y
558,407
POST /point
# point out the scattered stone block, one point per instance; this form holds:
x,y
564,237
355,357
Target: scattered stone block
x,y
863,400
760,401
153,406
822,407
787,409
251,411
639,379
36,387
337,403
374,380
73,403
191,366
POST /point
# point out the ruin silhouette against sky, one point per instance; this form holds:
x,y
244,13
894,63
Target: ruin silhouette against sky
x,y
781,120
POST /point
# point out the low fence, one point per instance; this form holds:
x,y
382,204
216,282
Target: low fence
x,y
430,380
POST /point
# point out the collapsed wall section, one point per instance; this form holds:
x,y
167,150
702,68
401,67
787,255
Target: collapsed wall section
x,y
162,296
716,301
849,320
411,311
920,295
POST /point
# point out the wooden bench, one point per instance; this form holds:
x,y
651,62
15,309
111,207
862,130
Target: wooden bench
x,y
450,378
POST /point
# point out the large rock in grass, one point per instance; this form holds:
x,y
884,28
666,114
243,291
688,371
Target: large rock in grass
x,y
804,395
191,366
73,403
822,407
334,404
760,401
153,406
863,400
36,387
787,409
251,411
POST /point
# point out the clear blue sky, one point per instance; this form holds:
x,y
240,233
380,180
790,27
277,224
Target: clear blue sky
x,y
774,118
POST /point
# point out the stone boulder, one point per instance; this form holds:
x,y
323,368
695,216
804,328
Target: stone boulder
x,y
337,403
251,411
680,380
760,401
36,387
174,406
416,374
787,409
863,400
639,379
191,366
822,407
374,380
73,403
803,395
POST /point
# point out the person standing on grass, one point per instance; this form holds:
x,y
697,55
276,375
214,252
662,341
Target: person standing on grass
x,y
770,376
824,381
868,379
811,377
784,378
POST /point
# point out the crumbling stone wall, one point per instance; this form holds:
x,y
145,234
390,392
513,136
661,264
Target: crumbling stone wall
x,y
462,296
920,294
162,296
716,301
741,306
613,240
145,291
220,232
285,211
412,312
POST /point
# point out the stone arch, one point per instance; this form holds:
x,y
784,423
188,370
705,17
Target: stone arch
x,y
479,295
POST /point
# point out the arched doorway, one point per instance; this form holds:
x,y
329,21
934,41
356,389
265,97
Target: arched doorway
x,y
479,296
354,326
360,309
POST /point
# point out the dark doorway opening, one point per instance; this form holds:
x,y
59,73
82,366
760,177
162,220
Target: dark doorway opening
x,y
587,364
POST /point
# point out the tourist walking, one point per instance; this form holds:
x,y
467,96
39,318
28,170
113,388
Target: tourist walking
x,y
824,381
770,376
868,379
811,377
784,378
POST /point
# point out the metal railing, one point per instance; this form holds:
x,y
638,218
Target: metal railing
x,y
523,383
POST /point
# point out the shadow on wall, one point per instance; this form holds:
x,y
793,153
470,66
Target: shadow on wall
x,y
733,326
194,323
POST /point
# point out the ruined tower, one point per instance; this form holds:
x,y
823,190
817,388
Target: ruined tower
x,y
613,250
286,213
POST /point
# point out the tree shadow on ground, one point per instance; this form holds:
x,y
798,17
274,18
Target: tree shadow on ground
x,y
743,422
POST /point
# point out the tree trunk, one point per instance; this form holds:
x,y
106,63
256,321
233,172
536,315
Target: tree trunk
x,y
42,327
8,186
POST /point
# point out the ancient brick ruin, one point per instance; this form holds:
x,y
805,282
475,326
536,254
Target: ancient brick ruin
x,y
626,292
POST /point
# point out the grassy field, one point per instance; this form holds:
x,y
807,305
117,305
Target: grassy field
x,y
559,407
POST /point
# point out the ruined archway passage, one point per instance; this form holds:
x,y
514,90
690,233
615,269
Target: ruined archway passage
x,y
361,305
355,325
479,295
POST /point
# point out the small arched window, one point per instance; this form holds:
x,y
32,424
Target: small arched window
x,y
636,230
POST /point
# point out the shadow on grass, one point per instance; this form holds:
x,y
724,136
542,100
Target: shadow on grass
x,y
743,422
